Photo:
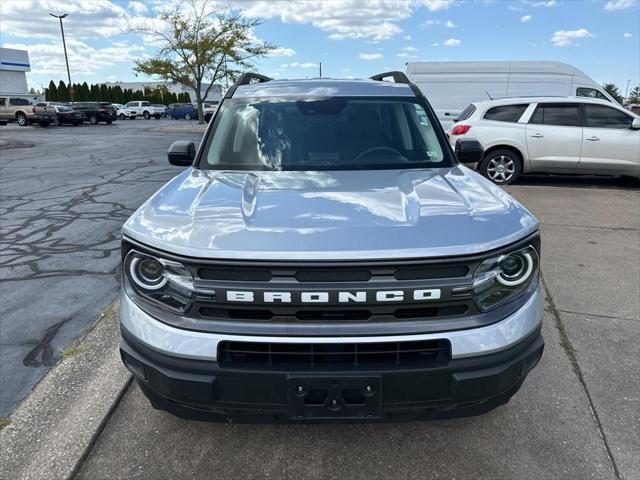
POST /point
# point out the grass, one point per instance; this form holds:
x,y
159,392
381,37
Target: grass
x,y
70,349
4,421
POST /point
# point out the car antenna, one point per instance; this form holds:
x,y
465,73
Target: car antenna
x,y
488,95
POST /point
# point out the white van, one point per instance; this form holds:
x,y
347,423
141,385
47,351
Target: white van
x,y
452,86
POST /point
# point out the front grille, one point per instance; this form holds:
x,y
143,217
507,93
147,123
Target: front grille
x,y
333,313
327,356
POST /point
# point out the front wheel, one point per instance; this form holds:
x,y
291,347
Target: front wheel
x,y
502,167
146,115
93,120
187,116
55,122
121,116
109,122
21,118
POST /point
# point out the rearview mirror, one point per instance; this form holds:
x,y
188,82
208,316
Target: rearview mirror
x,y
469,151
635,124
182,153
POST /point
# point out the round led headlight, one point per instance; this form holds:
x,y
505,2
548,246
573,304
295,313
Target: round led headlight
x,y
515,268
148,273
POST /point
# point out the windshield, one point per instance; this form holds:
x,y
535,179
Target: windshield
x,y
339,133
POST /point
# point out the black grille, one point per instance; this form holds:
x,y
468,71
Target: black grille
x,y
333,313
307,356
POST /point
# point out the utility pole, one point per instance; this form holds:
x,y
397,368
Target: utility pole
x,y
626,90
66,59
320,69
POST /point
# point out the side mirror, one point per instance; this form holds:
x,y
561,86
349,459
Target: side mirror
x,y
182,153
469,151
635,125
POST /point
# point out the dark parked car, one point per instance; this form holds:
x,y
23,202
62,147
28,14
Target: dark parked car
x,y
96,112
66,114
182,110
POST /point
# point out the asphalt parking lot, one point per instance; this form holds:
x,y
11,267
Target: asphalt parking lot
x,y
65,192
577,415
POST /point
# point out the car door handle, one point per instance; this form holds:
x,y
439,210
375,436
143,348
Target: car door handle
x,y
537,135
593,139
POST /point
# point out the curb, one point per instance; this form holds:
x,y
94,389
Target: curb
x,y
52,431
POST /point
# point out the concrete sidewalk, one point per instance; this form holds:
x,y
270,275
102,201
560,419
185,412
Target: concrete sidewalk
x,y
577,415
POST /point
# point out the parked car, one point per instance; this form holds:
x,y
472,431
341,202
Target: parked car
x,y
182,110
161,108
329,259
451,86
68,115
96,112
145,109
123,112
551,135
209,110
20,110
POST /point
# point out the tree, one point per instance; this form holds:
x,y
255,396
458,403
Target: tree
x,y
51,93
634,95
63,92
614,91
203,42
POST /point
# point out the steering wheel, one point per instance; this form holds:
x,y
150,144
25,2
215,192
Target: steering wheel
x,y
381,149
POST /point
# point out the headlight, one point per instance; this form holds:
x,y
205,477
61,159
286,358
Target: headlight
x,y
159,280
500,279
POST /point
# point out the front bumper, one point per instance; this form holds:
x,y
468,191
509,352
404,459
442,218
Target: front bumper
x,y
178,370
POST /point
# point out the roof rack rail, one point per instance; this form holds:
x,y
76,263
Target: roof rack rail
x,y
398,77
245,79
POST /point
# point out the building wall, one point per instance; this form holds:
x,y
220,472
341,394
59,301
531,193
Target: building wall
x,y
13,67
214,94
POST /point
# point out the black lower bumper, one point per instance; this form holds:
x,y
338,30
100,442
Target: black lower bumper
x,y
203,391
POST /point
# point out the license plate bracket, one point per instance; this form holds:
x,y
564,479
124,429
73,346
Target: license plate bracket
x,y
334,397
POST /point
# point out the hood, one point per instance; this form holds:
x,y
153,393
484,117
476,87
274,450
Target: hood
x,y
332,215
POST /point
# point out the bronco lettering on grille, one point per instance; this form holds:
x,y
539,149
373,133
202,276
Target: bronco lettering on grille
x,y
334,297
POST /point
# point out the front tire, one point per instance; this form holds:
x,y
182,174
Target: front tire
x,y
55,122
187,116
121,116
93,120
502,167
109,122
21,118
146,115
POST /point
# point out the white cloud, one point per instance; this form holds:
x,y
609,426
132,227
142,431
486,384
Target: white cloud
x,y
627,35
565,38
48,58
526,18
545,3
300,65
370,56
430,23
406,55
515,8
450,24
613,5
282,52
407,37
87,18
435,5
435,44
452,42
137,7
344,19
410,49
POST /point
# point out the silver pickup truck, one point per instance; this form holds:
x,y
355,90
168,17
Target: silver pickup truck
x,y
325,256
23,112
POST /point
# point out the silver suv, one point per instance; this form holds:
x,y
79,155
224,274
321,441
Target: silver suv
x,y
325,257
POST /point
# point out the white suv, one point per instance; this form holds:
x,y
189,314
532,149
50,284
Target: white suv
x,y
551,135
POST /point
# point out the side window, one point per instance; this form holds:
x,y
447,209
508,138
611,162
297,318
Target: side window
x,y
145,104
3,101
599,116
18,101
506,113
562,114
466,113
590,93
131,104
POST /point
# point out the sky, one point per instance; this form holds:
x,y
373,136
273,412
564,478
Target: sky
x,y
351,38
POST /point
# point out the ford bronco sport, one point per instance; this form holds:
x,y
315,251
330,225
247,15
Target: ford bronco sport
x,y
325,257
